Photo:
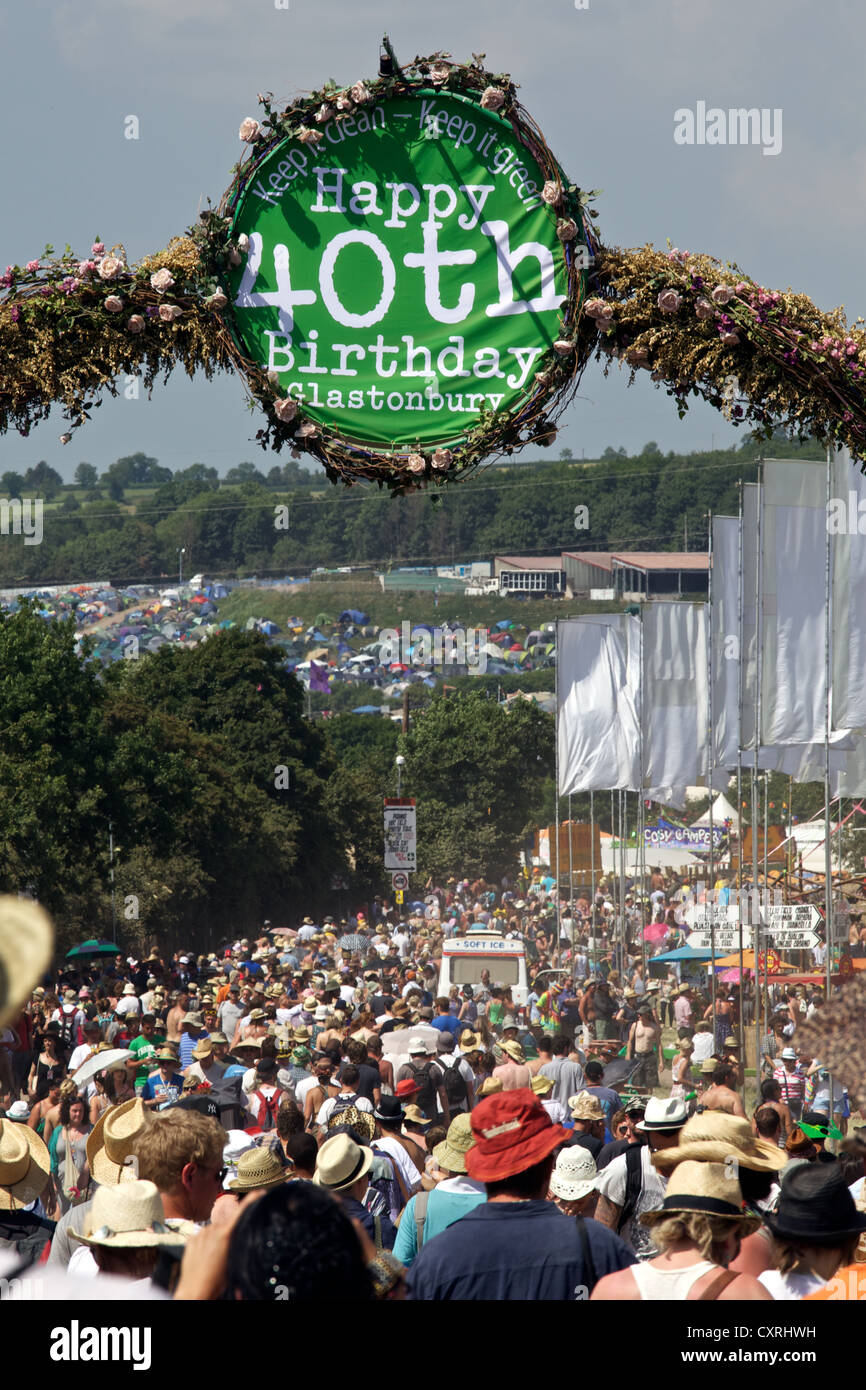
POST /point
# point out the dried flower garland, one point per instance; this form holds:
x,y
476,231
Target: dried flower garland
x,y
70,327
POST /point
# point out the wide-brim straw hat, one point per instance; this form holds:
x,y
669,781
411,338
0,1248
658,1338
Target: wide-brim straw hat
x,y
541,1085
130,1217
713,1137
112,1141
705,1189
257,1168
341,1162
25,1166
513,1050
26,946
451,1153
469,1041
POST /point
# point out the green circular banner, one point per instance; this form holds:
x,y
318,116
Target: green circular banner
x,y
401,278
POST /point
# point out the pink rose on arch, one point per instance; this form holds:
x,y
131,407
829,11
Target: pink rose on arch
x,y
415,463
551,193
307,431
285,410
110,267
563,346
637,357
345,103
309,137
730,339
113,304
722,294
670,302
326,112
32,265
439,73
359,93
249,130
442,458
217,300
162,280
135,324
704,309
85,267
566,229
169,312
98,248
594,308
492,99
741,288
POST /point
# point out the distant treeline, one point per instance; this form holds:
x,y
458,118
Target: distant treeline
x,y
131,522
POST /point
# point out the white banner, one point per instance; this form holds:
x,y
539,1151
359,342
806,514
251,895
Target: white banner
x,y
598,678
846,522
675,692
724,635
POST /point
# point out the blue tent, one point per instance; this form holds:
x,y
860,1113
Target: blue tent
x,y
682,953
267,627
368,709
353,615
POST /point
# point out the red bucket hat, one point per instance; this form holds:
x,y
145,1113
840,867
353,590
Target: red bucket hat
x,y
512,1131
404,1089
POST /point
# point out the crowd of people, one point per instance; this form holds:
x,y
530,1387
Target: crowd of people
x,y
305,1115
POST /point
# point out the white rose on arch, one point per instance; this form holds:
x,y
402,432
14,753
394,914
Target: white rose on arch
x,y
249,131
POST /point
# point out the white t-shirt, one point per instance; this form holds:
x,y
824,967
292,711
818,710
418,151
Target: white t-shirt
x,y
303,1087
705,1046
611,1183
399,1157
128,1004
80,1055
789,1288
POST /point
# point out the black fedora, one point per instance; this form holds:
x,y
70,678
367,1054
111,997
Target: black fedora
x,y
815,1205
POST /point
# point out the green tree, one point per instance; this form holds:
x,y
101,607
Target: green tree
x,y
86,475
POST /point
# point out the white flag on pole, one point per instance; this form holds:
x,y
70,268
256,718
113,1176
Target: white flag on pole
x,y
675,696
598,676
846,523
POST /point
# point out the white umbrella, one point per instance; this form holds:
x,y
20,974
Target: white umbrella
x,y
395,1045
100,1061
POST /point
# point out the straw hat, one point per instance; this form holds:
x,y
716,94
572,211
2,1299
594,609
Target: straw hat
x,y
416,1116
26,945
469,1041
165,1053
451,1153
24,1164
340,1162
541,1085
713,1137
513,1049
257,1169
203,1048
490,1086
574,1174
585,1107
112,1140
706,1188
708,1066
130,1217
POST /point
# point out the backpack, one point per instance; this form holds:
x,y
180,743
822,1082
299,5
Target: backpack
x,y
342,1103
68,1027
633,1184
269,1108
454,1084
426,1097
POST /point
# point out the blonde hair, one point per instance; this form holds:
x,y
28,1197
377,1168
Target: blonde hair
x,y
708,1233
174,1139
788,1255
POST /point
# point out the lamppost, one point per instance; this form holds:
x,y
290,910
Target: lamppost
x,y
180,555
399,760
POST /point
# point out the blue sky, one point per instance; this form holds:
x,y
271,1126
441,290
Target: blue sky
x,y
603,82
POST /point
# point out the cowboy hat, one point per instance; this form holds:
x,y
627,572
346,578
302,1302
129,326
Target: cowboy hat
x,y
469,1041
26,944
203,1048
341,1162
714,1137
815,1205
257,1169
512,1049
416,1116
130,1217
709,1189
541,1085
585,1107
25,1166
112,1140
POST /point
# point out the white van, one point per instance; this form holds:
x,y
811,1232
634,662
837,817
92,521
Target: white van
x,y
465,958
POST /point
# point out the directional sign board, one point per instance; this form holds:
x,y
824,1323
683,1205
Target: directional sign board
x,y
400,843
785,917
704,915
399,881
725,939
790,940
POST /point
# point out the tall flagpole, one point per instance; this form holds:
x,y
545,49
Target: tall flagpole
x,y
712,901
759,673
556,788
594,953
828,861
571,880
741,1030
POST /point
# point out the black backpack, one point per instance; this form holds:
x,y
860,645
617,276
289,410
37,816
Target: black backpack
x,y
633,1184
454,1084
426,1097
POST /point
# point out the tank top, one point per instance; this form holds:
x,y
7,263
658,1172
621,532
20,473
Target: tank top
x,y
656,1286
